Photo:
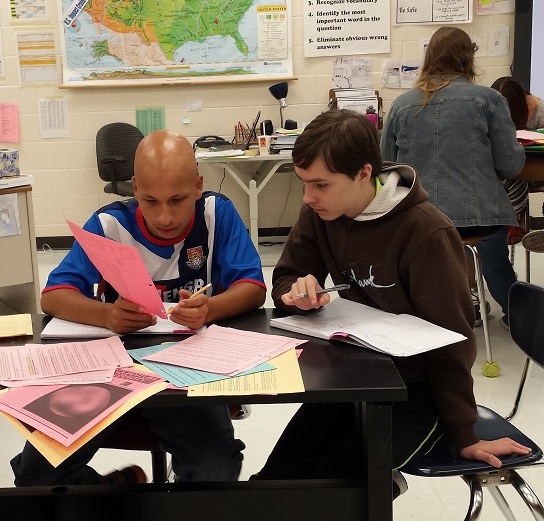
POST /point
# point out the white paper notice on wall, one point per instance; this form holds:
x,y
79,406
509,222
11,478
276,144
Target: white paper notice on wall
x,y
499,40
53,115
432,12
345,27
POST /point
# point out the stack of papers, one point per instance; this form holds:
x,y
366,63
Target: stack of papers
x,y
59,420
227,355
356,99
60,395
15,325
283,142
530,138
207,153
51,364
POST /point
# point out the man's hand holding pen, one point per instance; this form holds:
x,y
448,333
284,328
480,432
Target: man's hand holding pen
x,y
192,309
306,293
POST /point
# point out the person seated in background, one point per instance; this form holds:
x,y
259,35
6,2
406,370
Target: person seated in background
x,y
187,238
372,226
527,112
461,140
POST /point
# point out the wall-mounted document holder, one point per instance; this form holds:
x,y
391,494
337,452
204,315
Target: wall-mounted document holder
x,y
358,100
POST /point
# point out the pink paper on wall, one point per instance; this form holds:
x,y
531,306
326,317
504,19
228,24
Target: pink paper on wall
x,y
9,123
122,266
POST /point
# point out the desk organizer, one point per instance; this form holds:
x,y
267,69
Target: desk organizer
x,y
9,162
241,135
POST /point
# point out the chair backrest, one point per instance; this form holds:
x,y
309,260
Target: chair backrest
x,y
526,319
116,145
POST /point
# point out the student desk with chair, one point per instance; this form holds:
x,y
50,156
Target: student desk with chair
x,y
332,372
253,179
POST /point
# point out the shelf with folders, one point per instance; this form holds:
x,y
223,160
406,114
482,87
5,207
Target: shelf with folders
x,y
362,100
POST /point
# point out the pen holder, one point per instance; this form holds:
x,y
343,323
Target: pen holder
x,y
241,134
9,163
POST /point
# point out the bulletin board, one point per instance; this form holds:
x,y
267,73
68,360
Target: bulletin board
x,y
112,43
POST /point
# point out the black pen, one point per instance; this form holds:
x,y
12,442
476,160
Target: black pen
x,y
340,287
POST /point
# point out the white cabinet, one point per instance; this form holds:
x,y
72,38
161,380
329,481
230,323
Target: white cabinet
x,y
19,279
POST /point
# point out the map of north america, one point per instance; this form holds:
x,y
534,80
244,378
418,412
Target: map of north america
x,y
152,32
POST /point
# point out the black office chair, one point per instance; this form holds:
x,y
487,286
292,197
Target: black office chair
x,y
116,145
526,309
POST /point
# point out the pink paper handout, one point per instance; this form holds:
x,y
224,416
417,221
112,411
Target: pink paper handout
x,y
122,266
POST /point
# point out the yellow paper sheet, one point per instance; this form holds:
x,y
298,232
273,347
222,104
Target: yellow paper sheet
x,y
15,325
286,378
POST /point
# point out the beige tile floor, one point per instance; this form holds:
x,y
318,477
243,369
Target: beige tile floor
x,y
427,499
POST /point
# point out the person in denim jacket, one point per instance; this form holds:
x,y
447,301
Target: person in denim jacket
x,y
461,139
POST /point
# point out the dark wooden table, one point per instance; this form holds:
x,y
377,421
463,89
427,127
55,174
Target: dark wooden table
x,y
534,166
332,372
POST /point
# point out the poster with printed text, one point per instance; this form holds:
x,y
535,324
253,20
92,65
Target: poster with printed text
x,y
346,27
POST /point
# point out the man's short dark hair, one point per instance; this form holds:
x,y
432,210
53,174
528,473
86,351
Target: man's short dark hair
x,y
343,139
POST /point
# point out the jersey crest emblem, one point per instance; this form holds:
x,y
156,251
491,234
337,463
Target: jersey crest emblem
x,y
196,258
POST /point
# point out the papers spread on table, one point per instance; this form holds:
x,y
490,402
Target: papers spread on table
x,y
183,377
286,378
55,452
61,395
348,321
15,325
225,350
122,266
529,137
46,364
66,412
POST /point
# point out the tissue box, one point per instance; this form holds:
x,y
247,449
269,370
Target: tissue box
x,y
9,162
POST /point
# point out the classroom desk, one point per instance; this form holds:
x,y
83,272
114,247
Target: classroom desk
x,y
260,170
533,169
332,373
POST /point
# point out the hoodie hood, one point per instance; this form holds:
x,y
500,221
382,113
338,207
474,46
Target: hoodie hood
x,y
400,187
